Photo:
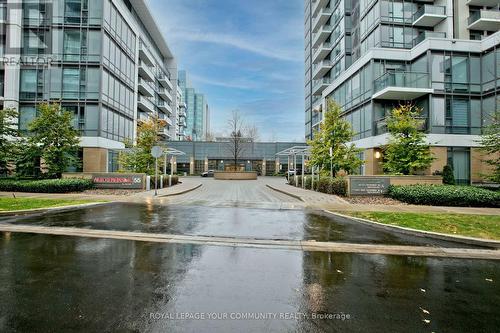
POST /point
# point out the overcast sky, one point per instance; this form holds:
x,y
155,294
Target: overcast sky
x,y
243,55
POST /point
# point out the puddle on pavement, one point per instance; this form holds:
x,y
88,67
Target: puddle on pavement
x,y
227,222
59,283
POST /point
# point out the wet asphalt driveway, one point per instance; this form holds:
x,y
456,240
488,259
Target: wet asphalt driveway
x,y
61,283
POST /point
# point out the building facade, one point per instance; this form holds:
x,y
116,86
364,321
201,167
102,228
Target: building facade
x,y
197,110
105,61
255,156
442,56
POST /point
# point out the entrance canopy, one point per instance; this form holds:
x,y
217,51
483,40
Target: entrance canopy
x,y
173,151
295,150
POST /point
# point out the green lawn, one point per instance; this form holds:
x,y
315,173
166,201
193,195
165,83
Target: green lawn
x,y
479,226
13,204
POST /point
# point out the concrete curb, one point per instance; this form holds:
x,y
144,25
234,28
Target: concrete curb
x,y
181,192
37,211
297,245
298,197
341,201
422,233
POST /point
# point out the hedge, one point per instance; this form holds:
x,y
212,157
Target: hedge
x,y
46,185
175,181
337,186
445,195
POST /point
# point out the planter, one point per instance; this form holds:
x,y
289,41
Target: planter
x,y
235,175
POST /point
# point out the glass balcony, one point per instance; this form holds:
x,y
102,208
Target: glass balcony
x,y
429,15
144,54
164,79
485,3
401,86
428,34
322,35
165,94
484,20
145,104
322,51
164,106
145,88
145,71
322,17
320,85
321,68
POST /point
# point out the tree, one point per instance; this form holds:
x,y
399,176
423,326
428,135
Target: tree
x,y
335,132
237,141
138,157
8,136
53,138
253,133
490,144
448,177
406,152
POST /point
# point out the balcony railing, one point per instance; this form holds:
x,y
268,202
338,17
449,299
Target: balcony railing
x,y
381,125
430,10
428,34
402,79
493,15
323,63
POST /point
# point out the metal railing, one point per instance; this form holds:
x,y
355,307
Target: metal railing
x,y
401,79
428,34
483,14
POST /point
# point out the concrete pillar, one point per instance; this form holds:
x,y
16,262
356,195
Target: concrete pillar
x,y
441,159
277,165
205,165
479,167
373,165
95,160
263,167
191,165
174,164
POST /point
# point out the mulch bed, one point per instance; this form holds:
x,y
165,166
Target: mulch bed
x,y
374,200
110,192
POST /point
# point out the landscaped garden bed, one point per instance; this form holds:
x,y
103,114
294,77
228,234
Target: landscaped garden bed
x,y
45,185
445,195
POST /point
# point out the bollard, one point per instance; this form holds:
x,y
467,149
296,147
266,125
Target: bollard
x,y
169,180
148,183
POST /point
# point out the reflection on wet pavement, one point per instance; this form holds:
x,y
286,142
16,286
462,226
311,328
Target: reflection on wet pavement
x,y
228,222
57,283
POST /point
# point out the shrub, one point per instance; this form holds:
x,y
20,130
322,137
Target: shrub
x,y
445,195
175,181
46,185
337,186
307,182
448,177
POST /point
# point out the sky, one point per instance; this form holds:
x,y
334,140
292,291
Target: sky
x,y
243,55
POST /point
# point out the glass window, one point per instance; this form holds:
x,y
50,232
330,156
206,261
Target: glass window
x,y
72,11
28,80
26,115
459,69
71,82
72,45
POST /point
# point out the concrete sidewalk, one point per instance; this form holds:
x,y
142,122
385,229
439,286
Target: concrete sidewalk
x,y
332,202
186,185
